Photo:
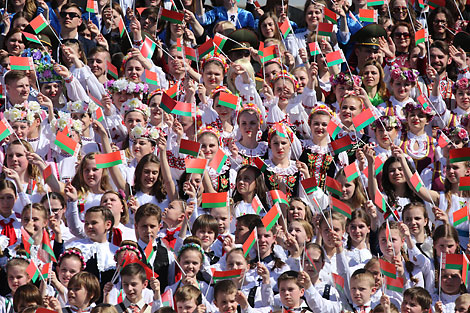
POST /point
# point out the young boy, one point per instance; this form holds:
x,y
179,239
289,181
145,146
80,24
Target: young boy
x,y
147,225
361,288
188,300
416,300
173,218
462,304
291,292
133,281
206,228
224,219
227,298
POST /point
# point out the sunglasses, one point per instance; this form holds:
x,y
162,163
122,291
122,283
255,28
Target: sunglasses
x,y
399,35
72,15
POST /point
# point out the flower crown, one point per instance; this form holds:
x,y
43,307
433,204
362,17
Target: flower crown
x,y
321,108
286,75
387,121
457,131
191,245
212,130
123,84
345,79
216,57
411,106
81,107
25,112
150,133
39,57
218,89
398,73
65,120
155,92
76,252
135,104
46,73
19,257
286,130
278,61
463,83
251,107
127,248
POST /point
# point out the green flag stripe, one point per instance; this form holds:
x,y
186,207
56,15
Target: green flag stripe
x,y
109,164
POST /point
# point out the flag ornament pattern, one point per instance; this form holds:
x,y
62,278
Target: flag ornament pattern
x,y
214,200
218,161
460,216
221,275
388,269
330,15
21,63
195,166
309,184
107,160
334,186
368,15
249,243
38,23
341,145
364,119
228,100
325,29
285,28
459,155
112,70
257,205
271,218
189,147
277,196
148,48
341,207
5,129
334,58
351,171
314,48
416,181
464,183
66,143
171,16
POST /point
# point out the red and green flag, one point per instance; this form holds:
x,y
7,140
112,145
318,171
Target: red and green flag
x,y
46,245
464,183
259,163
249,243
434,4
205,49
33,271
149,252
107,160
172,91
309,184
341,207
148,48
277,196
38,23
378,166
5,129
285,28
452,261
460,216
219,41
121,26
171,16
372,3
309,258
333,186
190,54
21,63
257,205
271,218
280,130
27,241
314,48
183,109
189,147
394,284
46,268
340,145
92,6
364,119
423,101
151,78
221,275
66,143
388,269
269,53
167,104
368,15
167,298
195,166
330,15
457,155
179,45
325,29
228,100
334,58
47,172
214,200
99,116
416,181
31,37
339,282
443,140
420,36
334,127
218,161
465,265
379,201
351,171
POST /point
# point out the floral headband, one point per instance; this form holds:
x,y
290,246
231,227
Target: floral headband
x,y
457,132
46,74
411,106
65,120
26,112
19,257
123,84
345,79
250,107
278,61
155,92
286,75
81,107
135,104
191,245
321,108
149,133
218,89
216,57
76,252
387,121
39,57
127,248
397,73
463,83
212,130
285,129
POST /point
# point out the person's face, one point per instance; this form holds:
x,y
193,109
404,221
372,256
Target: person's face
x,y
150,174
156,113
187,122
313,16
51,90
15,44
207,237
401,38
358,230
97,63
457,143
410,306
133,119
384,137
401,89
350,108
348,188
298,231
440,23
399,11
249,124
370,76
439,60
417,120
366,53
302,79
18,90
246,182
96,227
454,171
390,246
119,97
290,293
68,267
85,118
33,222
187,306
325,230
462,98
176,65
315,256
445,245
78,296
450,281
236,261
116,17
415,220
147,228
141,147
7,201
225,113
21,129
395,173
212,75
279,8
134,70
375,270
196,181
209,146
235,55
241,233
18,3
268,27
17,277
133,287
266,240
149,23
271,70
296,210
360,291
173,213
91,174
280,147
16,158
462,305
177,30
114,204
318,126
223,218
190,261
86,34
70,18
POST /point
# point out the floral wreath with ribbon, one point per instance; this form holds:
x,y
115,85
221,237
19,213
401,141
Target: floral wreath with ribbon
x,y
212,130
191,245
456,131
216,57
463,84
64,120
250,107
286,130
135,104
26,112
127,248
320,108
345,79
81,107
411,106
150,133
76,252
286,75
398,73
387,121
123,84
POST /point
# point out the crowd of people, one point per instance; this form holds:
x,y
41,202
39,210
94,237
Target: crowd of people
x,y
179,156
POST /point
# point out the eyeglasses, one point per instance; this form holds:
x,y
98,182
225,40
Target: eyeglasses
x,y
399,9
72,15
55,210
404,35
151,19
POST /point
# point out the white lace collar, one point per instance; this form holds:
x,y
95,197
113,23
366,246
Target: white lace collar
x,y
104,252
423,137
260,149
290,170
309,144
